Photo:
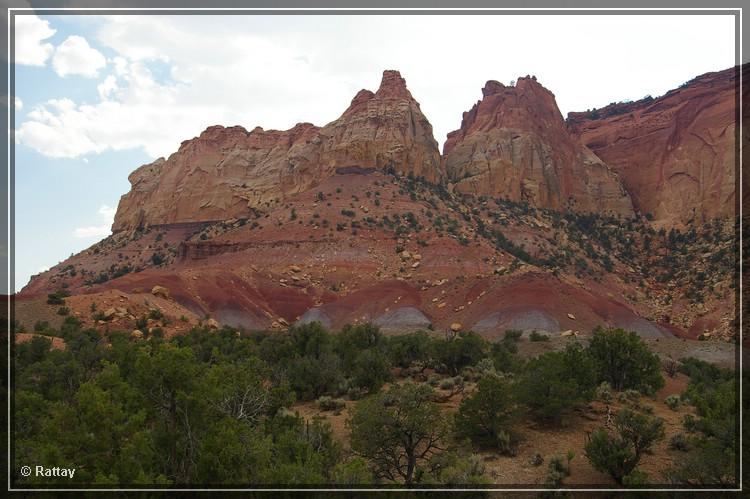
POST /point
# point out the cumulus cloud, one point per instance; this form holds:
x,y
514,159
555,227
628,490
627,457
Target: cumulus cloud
x,y
30,33
172,76
106,87
107,215
75,56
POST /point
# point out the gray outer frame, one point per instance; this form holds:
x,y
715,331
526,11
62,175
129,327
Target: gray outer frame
x,y
7,240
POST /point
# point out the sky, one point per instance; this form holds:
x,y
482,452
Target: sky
x,y
98,96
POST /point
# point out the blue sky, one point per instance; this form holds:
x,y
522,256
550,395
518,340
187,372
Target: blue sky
x,y
100,96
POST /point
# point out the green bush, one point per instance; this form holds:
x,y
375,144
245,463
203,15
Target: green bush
x,y
487,416
407,349
465,349
326,403
535,336
554,382
625,362
679,442
672,401
604,392
403,423
371,370
629,397
618,454
447,384
56,298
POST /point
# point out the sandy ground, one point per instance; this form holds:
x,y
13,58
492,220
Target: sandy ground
x,y
551,441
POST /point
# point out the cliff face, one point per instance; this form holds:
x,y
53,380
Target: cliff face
x,y
383,129
514,144
226,171
675,154
219,175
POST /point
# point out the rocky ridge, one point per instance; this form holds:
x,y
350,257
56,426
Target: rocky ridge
x,y
676,153
513,143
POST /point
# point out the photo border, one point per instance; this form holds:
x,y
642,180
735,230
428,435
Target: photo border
x,y
13,11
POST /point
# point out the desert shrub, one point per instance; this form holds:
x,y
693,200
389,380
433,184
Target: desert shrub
x,y
465,349
433,380
63,311
689,423
485,366
155,314
557,470
618,454
407,349
352,472
604,392
454,468
326,403
554,382
352,340
670,367
503,354
711,459
487,416
447,384
40,326
679,442
624,360
672,401
535,336
399,431
356,393
629,397
512,335
311,377
371,370
56,298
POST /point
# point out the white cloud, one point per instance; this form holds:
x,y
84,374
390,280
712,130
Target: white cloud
x,y
75,56
107,215
42,269
107,87
30,33
175,75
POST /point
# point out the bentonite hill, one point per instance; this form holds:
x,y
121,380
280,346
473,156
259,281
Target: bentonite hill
x,y
621,216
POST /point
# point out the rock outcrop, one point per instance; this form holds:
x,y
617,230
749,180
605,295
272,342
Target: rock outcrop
x,y
675,154
385,129
225,172
514,144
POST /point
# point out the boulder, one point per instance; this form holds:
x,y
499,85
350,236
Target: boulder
x,y
160,291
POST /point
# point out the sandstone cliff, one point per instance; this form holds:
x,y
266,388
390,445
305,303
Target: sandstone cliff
x,y
675,154
514,144
225,172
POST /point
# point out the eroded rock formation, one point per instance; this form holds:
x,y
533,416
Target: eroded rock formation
x,y
675,154
225,172
514,144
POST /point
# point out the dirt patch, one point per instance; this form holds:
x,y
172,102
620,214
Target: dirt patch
x,y
57,343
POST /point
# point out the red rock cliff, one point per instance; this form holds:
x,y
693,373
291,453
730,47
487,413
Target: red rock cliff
x,y
226,171
514,144
676,153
